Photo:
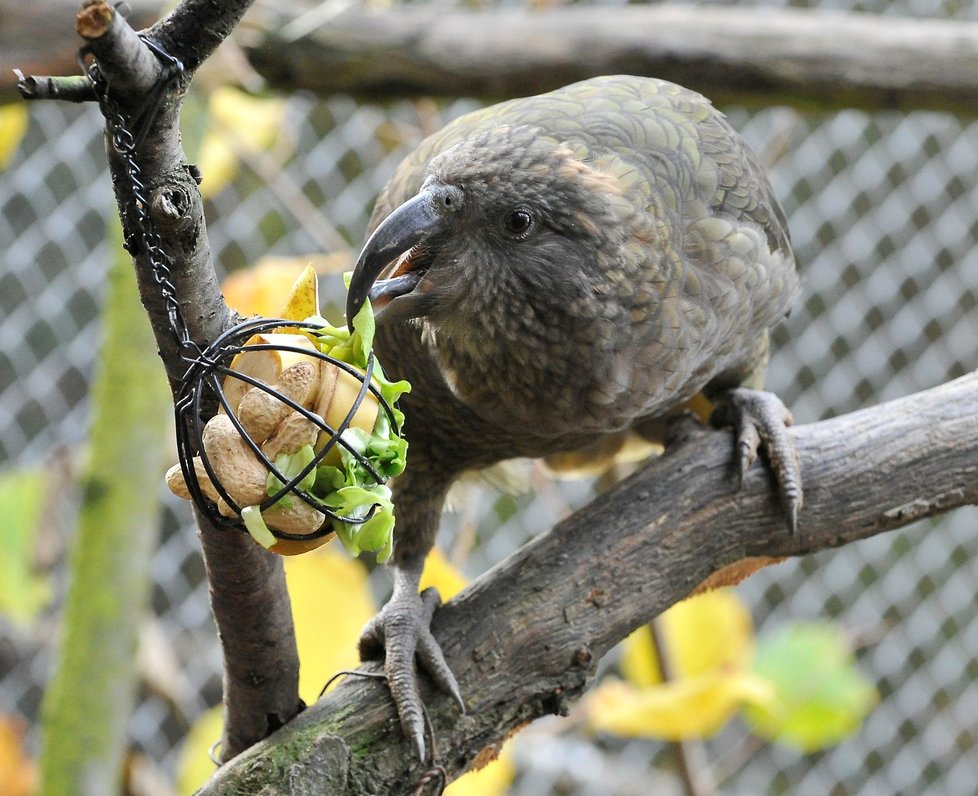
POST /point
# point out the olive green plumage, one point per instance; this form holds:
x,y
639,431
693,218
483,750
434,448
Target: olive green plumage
x,y
587,261
658,260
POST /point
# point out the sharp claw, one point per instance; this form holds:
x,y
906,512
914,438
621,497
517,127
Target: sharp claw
x,y
761,419
416,735
403,683
792,512
419,746
456,694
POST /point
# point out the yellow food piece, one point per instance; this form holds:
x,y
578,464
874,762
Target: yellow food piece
x,y
290,547
303,299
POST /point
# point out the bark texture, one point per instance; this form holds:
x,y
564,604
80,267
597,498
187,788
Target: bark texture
x,y
750,56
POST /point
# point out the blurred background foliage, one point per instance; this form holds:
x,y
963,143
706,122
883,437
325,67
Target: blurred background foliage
x,y
880,699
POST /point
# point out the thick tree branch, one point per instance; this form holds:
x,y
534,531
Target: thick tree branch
x,y
524,639
752,56
248,592
733,55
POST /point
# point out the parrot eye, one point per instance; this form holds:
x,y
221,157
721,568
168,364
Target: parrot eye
x,y
518,222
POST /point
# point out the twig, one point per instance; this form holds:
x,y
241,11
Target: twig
x,y
75,88
247,585
692,764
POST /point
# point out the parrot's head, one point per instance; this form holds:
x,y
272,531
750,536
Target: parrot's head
x,y
507,221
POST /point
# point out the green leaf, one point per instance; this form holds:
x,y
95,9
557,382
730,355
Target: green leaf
x,y
22,592
376,534
255,523
290,465
821,696
351,347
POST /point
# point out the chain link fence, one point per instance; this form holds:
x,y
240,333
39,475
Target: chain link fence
x,y
884,216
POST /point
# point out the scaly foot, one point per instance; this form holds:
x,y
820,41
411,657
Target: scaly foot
x,y
760,419
401,633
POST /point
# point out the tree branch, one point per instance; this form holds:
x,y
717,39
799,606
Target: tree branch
x,y
754,57
757,56
524,639
247,585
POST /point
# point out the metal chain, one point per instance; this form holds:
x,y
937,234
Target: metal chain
x,y
125,143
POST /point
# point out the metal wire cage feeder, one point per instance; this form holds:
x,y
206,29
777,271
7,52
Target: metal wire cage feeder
x,y
203,388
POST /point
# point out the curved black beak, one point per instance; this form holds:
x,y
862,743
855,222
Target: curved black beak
x,y
412,223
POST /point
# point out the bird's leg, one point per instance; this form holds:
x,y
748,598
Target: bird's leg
x,y
402,631
760,419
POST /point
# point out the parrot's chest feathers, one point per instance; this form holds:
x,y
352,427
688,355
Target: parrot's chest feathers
x,y
534,378
501,360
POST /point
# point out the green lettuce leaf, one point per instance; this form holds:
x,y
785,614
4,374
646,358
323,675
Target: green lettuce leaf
x,y
348,488
255,523
290,465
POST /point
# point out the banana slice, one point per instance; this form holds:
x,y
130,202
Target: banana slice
x,y
338,392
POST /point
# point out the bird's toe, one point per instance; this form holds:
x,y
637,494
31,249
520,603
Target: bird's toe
x,y
401,635
761,420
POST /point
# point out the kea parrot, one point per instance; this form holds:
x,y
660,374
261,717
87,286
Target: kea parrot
x,y
551,274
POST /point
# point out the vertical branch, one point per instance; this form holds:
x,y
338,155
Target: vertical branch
x,y
254,620
90,697
692,764
247,585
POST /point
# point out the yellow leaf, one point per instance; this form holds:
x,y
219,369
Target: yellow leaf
x,y
638,660
695,707
707,632
331,602
240,123
195,767
263,288
18,775
303,298
492,779
442,575
13,126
